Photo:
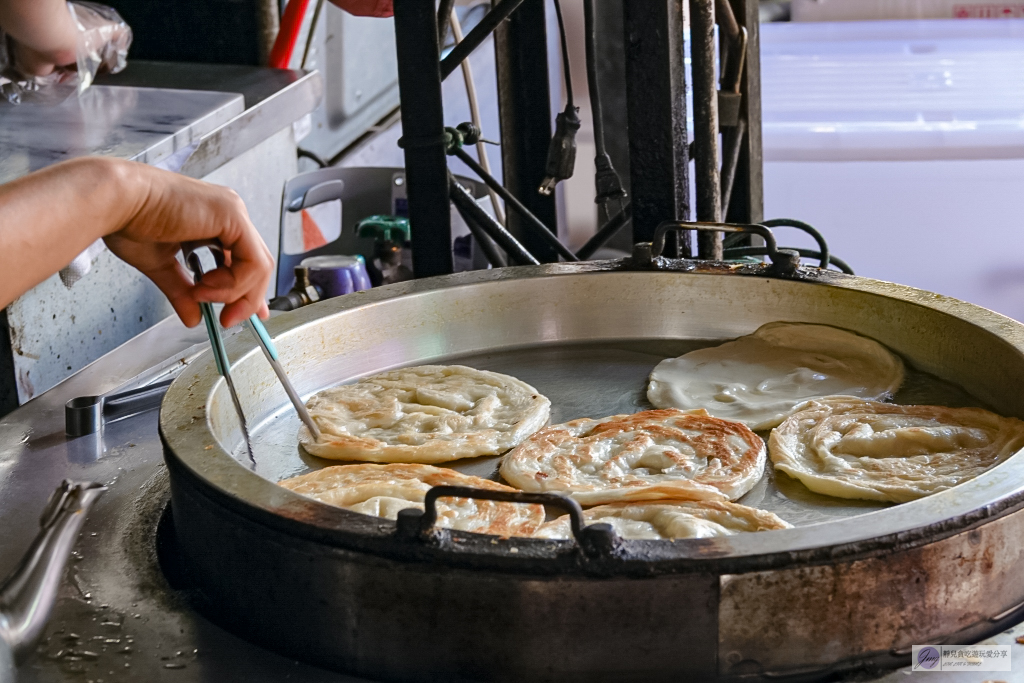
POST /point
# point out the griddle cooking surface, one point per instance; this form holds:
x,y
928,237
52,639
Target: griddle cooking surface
x,y
597,380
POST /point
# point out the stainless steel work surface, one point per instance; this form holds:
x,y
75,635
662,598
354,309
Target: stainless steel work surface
x,y
117,619
142,124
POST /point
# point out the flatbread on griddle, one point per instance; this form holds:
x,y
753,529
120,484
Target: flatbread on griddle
x,y
759,379
881,451
646,456
424,414
666,519
383,490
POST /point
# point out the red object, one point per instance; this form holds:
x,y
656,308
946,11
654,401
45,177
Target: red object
x,y
311,235
288,36
366,8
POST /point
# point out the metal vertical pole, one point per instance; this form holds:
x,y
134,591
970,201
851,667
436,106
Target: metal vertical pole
x,y
656,115
705,124
521,53
426,166
747,205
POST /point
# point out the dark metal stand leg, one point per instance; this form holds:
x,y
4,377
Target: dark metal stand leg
x,y
747,201
655,90
522,63
426,166
705,121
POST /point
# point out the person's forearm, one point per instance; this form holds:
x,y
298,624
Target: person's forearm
x,y
44,27
49,217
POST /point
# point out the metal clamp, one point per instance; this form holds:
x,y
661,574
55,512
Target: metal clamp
x,y
88,414
784,261
596,539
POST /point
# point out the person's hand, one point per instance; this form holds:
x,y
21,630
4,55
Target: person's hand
x,y
173,209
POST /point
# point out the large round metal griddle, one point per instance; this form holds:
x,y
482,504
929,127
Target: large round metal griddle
x,y
853,584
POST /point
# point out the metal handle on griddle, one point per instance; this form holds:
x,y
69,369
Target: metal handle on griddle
x,y
784,260
594,539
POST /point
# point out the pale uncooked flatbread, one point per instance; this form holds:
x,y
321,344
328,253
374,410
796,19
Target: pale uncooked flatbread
x,y
645,456
425,414
759,379
881,451
671,519
383,490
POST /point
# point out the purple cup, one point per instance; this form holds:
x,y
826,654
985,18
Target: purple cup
x,y
337,275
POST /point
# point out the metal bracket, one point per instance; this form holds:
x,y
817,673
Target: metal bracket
x,y
784,262
595,540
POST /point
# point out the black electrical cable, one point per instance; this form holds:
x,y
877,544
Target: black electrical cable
x,y
562,149
607,183
607,231
806,253
565,55
464,202
312,156
735,239
538,226
590,28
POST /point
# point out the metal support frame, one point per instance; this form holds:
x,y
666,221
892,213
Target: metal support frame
x,y
521,52
423,138
705,123
747,201
656,113
654,87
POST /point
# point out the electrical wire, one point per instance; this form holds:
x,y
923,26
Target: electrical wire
x,y
607,183
590,27
565,55
474,113
312,32
561,159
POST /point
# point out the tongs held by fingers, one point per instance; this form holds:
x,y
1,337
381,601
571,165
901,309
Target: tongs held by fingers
x,y
220,355
266,344
270,351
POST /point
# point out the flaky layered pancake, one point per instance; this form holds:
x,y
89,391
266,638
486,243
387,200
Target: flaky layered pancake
x,y
383,490
671,519
886,452
759,379
425,414
646,456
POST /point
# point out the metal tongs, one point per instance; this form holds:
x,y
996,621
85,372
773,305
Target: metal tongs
x,y
220,354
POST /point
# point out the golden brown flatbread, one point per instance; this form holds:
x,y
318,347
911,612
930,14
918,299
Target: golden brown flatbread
x,y
424,414
645,456
383,490
881,451
666,519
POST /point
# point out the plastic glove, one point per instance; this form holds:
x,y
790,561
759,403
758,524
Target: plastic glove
x,y
102,43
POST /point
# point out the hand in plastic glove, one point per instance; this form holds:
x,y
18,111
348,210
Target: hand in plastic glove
x,y
49,47
144,214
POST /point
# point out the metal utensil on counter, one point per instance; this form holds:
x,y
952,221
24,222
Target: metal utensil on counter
x,y
28,595
88,414
220,355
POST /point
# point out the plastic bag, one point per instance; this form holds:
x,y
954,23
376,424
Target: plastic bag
x,y
103,42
